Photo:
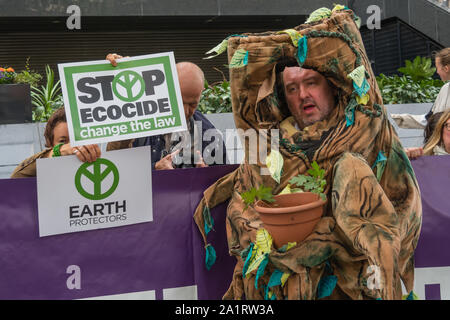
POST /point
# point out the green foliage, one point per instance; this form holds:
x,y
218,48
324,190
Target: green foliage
x,y
399,90
28,76
46,99
215,98
315,182
419,69
416,85
262,193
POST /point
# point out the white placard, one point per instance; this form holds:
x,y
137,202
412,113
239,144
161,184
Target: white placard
x,y
114,191
139,97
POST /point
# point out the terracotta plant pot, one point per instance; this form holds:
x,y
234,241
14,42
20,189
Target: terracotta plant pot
x,y
292,217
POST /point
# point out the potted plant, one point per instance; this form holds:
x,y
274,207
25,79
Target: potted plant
x,y
15,97
291,217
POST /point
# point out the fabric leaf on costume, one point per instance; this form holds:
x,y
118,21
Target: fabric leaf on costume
x,y
339,7
294,34
250,255
268,294
358,75
287,246
239,59
326,286
274,162
261,269
263,241
363,89
275,278
380,164
302,50
254,264
209,221
363,100
319,14
286,190
350,112
219,49
284,278
210,258
410,296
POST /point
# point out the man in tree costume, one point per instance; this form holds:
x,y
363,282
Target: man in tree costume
x,y
363,246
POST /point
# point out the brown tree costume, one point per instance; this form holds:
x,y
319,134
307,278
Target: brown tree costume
x,y
373,214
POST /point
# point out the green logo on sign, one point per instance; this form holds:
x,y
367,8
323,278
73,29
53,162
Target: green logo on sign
x,y
97,177
128,80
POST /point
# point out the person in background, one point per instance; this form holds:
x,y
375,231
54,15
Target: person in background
x,y
57,144
165,147
442,102
439,142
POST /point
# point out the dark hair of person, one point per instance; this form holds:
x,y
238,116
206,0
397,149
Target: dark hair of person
x,y
282,63
58,116
431,124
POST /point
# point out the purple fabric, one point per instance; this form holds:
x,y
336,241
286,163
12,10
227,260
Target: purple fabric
x,y
169,251
433,292
433,175
165,253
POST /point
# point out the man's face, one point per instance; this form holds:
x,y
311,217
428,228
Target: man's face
x,y
191,87
308,95
191,98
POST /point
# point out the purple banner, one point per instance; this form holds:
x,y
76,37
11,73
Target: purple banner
x,y
433,175
168,252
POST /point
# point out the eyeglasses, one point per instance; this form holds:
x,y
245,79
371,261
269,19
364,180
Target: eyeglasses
x,y
447,126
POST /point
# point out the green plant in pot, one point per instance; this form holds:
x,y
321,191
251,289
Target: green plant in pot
x,y
291,216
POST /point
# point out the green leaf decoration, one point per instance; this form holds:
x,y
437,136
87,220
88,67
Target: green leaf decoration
x,y
261,269
294,34
363,89
209,221
286,190
326,286
275,278
249,258
319,14
380,164
263,241
262,193
268,294
274,162
284,278
239,59
358,75
338,7
219,49
254,263
410,296
302,50
210,258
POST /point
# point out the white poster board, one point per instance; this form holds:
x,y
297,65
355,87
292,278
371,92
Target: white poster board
x,y
113,191
139,97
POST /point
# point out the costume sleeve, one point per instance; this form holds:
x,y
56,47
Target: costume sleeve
x,y
117,145
27,168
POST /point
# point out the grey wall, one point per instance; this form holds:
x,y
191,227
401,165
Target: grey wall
x,y
20,141
427,16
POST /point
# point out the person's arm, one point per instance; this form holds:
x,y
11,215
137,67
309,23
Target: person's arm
x,y
414,153
410,121
27,168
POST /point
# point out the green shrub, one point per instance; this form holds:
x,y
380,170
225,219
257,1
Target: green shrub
x,y
46,99
403,89
215,98
28,76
